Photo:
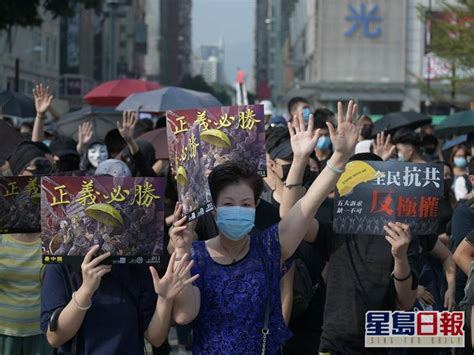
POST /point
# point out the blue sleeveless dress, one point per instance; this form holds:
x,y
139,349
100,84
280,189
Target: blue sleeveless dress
x,y
233,299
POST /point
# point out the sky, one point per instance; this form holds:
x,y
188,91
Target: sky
x,y
234,21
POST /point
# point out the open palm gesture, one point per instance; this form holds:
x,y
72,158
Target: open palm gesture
x,y
176,277
181,233
43,98
303,139
344,139
127,127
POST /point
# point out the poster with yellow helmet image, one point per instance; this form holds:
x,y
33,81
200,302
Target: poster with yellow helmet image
x,y
369,194
200,139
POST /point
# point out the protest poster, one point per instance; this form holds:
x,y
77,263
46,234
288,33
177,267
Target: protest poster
x,y
200,139
20,204
123,215
369,194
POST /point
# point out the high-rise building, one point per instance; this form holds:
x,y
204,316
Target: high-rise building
x,y
152,58
209,62
175,40
328,50
30,56
79,67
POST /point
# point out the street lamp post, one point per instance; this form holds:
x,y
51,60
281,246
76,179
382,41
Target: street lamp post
x,y
16,83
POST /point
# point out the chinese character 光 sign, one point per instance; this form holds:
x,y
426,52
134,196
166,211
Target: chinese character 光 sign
x,y
364,19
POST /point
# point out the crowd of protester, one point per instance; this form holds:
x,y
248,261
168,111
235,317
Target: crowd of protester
x,y
264,272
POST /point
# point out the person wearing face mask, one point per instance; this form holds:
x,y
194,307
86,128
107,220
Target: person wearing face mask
x,y
235,305
408,145
429,144
462,186
323,146
365,125
93,155
20,270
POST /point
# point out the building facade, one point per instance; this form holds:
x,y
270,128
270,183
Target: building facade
x,y
329,50
34,51
152,57
175,40
209,62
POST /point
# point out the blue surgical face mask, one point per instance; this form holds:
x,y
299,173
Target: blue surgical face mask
x,y
306,114
323,143
460,162
47,142
235,222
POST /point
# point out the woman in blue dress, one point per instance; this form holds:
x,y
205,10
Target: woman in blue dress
x,y
235,304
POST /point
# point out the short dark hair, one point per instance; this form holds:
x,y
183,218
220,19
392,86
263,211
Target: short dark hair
x,y
293,101
323,114
407,136
276,136
231,173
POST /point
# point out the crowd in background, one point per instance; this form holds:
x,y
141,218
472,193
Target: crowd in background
x,y
266,259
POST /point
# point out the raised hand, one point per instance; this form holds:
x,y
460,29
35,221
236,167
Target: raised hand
x,y
127,127
176,278
85,132
344,139
303,139
383,147
43,99
92,272
399,236
181,233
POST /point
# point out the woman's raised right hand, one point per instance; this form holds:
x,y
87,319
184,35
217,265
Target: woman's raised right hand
x,y
92,271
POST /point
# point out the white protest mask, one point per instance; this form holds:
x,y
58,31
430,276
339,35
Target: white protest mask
x,y
96,154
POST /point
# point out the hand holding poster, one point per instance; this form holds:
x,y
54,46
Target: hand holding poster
x,y
200,139
123,215
370,194
20,204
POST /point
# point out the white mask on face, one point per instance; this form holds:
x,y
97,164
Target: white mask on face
x,y
96,154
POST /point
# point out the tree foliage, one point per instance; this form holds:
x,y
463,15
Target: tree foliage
x,y
198,83
451,34
26,13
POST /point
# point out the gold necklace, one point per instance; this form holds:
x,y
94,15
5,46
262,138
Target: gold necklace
x,y
234,260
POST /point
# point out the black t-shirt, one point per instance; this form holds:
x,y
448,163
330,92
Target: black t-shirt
x,y
461,224
312,254
359,279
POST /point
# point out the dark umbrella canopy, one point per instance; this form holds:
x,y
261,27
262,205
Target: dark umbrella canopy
x,y
103,120
392,121
168,98
158,138
14,104
9,140
458,123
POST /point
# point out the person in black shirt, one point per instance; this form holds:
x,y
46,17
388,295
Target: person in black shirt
x,y
366,272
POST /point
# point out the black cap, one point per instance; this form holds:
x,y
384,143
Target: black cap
x,y
23,155
62,146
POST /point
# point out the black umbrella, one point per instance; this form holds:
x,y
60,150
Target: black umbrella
x,y
103,120
14,104
9,140
168,98
392,121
